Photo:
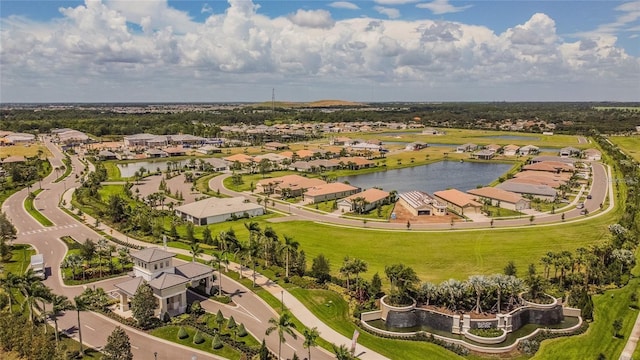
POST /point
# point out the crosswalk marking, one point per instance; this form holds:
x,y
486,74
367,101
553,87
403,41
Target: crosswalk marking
x,y
47,229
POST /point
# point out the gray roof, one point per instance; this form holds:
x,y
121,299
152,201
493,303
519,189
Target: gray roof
x,y
522,188
193,269
553,158
152,254
420,199
217,206
165,281
130,286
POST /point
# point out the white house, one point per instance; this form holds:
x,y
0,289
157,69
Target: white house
x,y
592,154
215,210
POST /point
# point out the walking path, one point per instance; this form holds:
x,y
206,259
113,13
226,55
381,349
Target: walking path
x,y
632,342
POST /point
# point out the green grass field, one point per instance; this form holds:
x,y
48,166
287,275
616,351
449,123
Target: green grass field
x,y
599,339
629,144
31,209
170,333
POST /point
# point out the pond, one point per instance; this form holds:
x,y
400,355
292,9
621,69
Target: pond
x,y
441,175
130,169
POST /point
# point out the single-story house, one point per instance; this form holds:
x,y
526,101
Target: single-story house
x,y
415,146
528,150
493,147
169,283
510,150
466,147
356,162
458,201
372,198
592,155
156,153
241,158
107,155
550,166
215,210
274,146
217,164
501,198
329,191
209,149
420,203
293,185
175,151
569,151
542,158
483,154
542,192
340,141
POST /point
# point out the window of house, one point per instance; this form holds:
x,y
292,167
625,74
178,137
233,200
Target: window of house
x,y
167,263
161,265
155,266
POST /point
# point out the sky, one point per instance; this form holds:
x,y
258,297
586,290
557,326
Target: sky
x,y
368,51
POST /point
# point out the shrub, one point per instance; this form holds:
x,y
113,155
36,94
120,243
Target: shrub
x,y
488,333
216,343
182,333
196,308
529,347
242,332
197,338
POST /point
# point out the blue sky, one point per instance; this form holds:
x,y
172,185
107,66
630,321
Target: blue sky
x,y
379,50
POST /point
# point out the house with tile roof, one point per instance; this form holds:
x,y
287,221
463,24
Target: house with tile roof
x,y
169,283
372,198
542,192
289,185
510,150
329,191
458,201
501,198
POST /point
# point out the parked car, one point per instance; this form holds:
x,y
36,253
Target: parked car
x,y
589,196
580,206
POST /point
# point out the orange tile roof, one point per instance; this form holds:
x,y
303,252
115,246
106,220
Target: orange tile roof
x,y
497,194
370,195
330,188
242,158
457,197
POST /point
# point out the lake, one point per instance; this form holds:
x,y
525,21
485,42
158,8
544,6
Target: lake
x,y
432,177
130,169
513,137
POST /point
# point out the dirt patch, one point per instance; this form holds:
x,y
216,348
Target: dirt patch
x,y
403,215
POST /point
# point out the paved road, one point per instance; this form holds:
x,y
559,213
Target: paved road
x,y
632,342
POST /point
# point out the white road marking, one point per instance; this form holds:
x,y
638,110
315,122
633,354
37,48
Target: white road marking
x,y
250,314
292,348
90,328
135,347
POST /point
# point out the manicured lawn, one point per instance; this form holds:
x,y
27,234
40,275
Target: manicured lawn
x,y
331,309
170,333
613,304
202,185
22,150
385,213
113,172
629,144
28,205
20,260
497,212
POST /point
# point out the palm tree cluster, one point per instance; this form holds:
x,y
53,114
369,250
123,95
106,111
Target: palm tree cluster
x,y
355,267
479,293
96,259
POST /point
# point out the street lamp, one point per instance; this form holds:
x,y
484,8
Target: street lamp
x,y
282,299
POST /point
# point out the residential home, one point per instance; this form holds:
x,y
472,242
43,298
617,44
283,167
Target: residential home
x,y
275,146
510,150
483,154
538,159
107,155
550,166
569,151
328,191
528,150
186,140
175,151
420,203
156,153
372,198
217,164
458,201
554,180
241,158
356,162
592,155
493,147
415,146
341,141
542,192
169,283
501,198
209,150
215,210
466,148
288,185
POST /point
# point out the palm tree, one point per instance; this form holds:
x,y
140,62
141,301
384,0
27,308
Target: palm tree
x,y
81,304
479,284
501,283
289,245
59,303
342,352
282,325
74,261
10,282
310,339
358,266
196,251
103,247
33,291
217,259
346,270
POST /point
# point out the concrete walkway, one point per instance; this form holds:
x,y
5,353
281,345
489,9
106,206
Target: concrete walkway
x,y
291,302
632,342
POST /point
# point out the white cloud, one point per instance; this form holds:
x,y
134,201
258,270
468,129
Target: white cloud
x,y
90,54
206,9
344,5
394,2
439,7
312,18
391,13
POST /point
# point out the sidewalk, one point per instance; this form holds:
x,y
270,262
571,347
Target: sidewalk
x,y
291,302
